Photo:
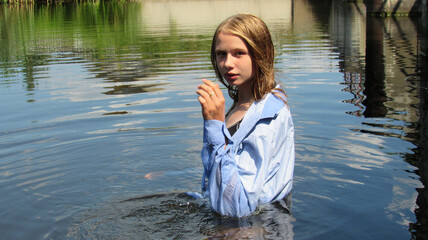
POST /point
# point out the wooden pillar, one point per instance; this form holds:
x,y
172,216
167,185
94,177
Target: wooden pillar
x,y
393,7
424,20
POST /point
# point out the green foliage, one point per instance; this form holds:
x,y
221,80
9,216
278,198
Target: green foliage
x,y
32,36
42,1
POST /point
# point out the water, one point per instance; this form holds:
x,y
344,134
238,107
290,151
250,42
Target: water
x,y
100,129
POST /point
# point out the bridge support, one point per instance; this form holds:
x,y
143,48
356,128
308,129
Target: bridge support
x,y
394,7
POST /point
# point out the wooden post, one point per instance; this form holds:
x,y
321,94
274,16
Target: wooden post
x,y
393,7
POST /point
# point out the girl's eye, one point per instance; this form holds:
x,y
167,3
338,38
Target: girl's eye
x,y
220,54
240,53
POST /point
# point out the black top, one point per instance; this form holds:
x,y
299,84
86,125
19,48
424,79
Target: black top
x,y
232,129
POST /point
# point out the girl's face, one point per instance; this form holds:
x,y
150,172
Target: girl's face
x,y
234,61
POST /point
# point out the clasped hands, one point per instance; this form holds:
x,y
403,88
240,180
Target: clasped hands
x,y
212,101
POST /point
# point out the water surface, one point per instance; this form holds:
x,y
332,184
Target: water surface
x,y
101,130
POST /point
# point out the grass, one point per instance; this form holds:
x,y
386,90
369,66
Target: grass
x,y
41,1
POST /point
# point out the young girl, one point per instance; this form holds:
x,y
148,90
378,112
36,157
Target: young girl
x,y
248,153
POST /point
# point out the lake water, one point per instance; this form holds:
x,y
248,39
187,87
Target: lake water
x,y
100,129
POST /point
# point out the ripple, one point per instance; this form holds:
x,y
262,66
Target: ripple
x,y
178,216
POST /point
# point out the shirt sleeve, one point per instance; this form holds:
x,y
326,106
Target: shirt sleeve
x,y
235,178
221,180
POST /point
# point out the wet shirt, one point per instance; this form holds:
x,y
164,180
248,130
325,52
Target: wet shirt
x,y
257,164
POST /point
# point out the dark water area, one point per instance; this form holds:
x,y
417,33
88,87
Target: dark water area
x,y
100,129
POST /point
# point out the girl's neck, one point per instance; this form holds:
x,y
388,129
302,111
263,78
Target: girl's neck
x,y
245,97
247,101
239,108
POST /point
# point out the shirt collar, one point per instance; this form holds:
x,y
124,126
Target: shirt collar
x,y
271,104
266,108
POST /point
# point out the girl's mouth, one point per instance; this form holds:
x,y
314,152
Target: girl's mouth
x,y
231,76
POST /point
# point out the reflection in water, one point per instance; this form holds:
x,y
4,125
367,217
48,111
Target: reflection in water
x,y
100,105
419,229
128,54
374,85
131,89
393,82
122,71
180,217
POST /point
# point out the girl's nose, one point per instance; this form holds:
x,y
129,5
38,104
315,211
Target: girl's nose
x,y
229,61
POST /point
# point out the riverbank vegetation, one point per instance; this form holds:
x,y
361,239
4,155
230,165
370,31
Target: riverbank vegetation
x,y
34,36
45,1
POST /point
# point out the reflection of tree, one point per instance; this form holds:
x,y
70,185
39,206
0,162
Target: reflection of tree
x,y
110,34
31,65
131,89
116,70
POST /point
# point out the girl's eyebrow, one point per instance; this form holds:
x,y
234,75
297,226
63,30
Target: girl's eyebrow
x,y
235,49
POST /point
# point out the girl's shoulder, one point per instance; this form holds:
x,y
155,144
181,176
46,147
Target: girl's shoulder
x,y
279,92
272,104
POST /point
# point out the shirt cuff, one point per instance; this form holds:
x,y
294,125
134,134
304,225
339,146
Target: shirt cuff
x,y
213,132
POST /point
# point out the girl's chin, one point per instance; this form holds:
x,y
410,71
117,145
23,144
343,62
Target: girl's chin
x,y
233,82
238,83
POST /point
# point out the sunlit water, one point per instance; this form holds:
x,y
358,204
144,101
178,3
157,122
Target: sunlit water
x,y
100,129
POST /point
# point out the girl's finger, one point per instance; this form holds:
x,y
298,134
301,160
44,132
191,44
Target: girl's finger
x,y
206,101
207,89
210,96
204,94
201,100
215,87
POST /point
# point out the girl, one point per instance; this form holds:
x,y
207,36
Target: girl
x,y
248,153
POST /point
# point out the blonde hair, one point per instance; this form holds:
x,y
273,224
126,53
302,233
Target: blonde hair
x,y
256,36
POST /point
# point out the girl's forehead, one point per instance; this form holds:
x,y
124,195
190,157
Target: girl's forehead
x,y
224,37
225,32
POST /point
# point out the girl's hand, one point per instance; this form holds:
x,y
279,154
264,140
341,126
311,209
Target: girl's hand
x,y
212,101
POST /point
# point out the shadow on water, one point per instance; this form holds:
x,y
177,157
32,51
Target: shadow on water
x,y
419,229
388,79
179,216
411,74
374,85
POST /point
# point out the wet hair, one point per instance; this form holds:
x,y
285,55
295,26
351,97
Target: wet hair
x,y
256,36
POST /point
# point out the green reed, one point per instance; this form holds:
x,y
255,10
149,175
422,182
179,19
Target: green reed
x,y
43,1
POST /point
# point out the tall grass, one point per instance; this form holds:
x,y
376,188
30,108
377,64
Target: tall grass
x,y
41,1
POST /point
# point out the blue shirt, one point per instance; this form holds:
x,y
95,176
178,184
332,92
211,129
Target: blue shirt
x,y
257,163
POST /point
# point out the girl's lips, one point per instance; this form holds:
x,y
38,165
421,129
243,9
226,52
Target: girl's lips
x,y
231,76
